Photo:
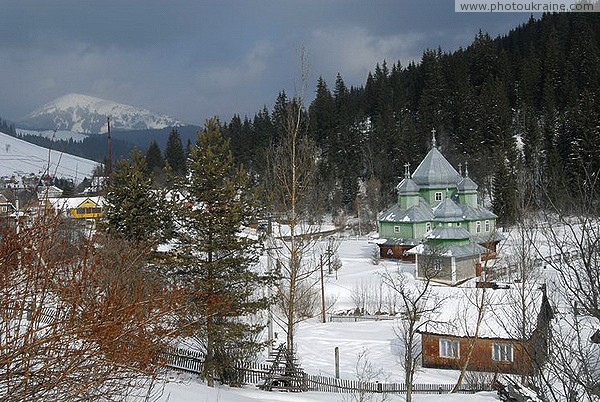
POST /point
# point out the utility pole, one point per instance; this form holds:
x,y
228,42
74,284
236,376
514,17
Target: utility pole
x,y
269,268
109,167
322,290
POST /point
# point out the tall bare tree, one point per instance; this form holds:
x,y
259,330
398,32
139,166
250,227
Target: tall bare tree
x,y
569,247
292,189
418,306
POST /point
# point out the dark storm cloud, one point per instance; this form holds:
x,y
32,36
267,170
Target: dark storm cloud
x,y
193,59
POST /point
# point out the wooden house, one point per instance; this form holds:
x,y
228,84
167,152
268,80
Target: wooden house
x,y
497,348
79,207
438,215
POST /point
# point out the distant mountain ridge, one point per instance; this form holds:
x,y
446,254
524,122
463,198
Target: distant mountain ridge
x,y
88,115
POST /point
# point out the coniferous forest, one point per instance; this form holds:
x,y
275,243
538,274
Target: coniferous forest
x,y
520,105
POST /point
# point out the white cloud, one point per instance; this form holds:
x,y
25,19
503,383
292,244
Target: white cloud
x,y
356,52
251,68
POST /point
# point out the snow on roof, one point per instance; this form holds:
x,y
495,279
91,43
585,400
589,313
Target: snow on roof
x,y
459,313
417,213
65,204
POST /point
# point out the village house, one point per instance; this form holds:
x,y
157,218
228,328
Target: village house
x,y
438,222
77,207
499,345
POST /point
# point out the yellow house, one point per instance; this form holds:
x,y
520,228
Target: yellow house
x,y
79,207
88,209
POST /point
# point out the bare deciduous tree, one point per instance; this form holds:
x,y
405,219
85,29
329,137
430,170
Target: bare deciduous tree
x,y
78,321
292,186
418,307
366,372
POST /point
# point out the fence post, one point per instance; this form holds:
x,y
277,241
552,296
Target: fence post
x,y
337,362
440,390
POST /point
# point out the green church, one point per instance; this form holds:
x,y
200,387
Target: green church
x,y
438,222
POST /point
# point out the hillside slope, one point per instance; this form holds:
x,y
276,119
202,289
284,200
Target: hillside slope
x,y
18,157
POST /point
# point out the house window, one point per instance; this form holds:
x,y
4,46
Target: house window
x,y
487,226
449,348
502,352
478,227
427,226
438,196
396,229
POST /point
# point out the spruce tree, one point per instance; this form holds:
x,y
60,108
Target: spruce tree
x,y
154,159
216,263
134,210
174,154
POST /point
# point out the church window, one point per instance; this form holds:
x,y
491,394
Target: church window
x,y
487,226
396,229
478,227
428,226
438,196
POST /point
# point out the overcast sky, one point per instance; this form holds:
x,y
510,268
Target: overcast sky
x,y
194,59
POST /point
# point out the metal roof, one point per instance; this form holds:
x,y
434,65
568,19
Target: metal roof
x,y
448,211
435,171
466,184
458,251
476,213
418,213
448,232
407,186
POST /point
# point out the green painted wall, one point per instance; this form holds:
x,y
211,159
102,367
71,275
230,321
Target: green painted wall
x,y
386,230
468,199
407,201
472,225
429,194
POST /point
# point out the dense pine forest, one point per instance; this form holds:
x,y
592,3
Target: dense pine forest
x,y
523,105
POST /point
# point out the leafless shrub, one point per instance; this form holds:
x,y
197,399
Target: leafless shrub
x,y
78,321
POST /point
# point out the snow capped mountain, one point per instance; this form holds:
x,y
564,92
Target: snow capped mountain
x,y
87,114
20,158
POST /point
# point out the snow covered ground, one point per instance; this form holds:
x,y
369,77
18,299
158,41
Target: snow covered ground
x,y
184,388
316,342
20,158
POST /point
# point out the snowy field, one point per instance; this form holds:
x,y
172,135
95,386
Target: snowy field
x,y
20,158
316,342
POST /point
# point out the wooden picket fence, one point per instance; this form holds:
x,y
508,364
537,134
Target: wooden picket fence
x,y
254,373
329,384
